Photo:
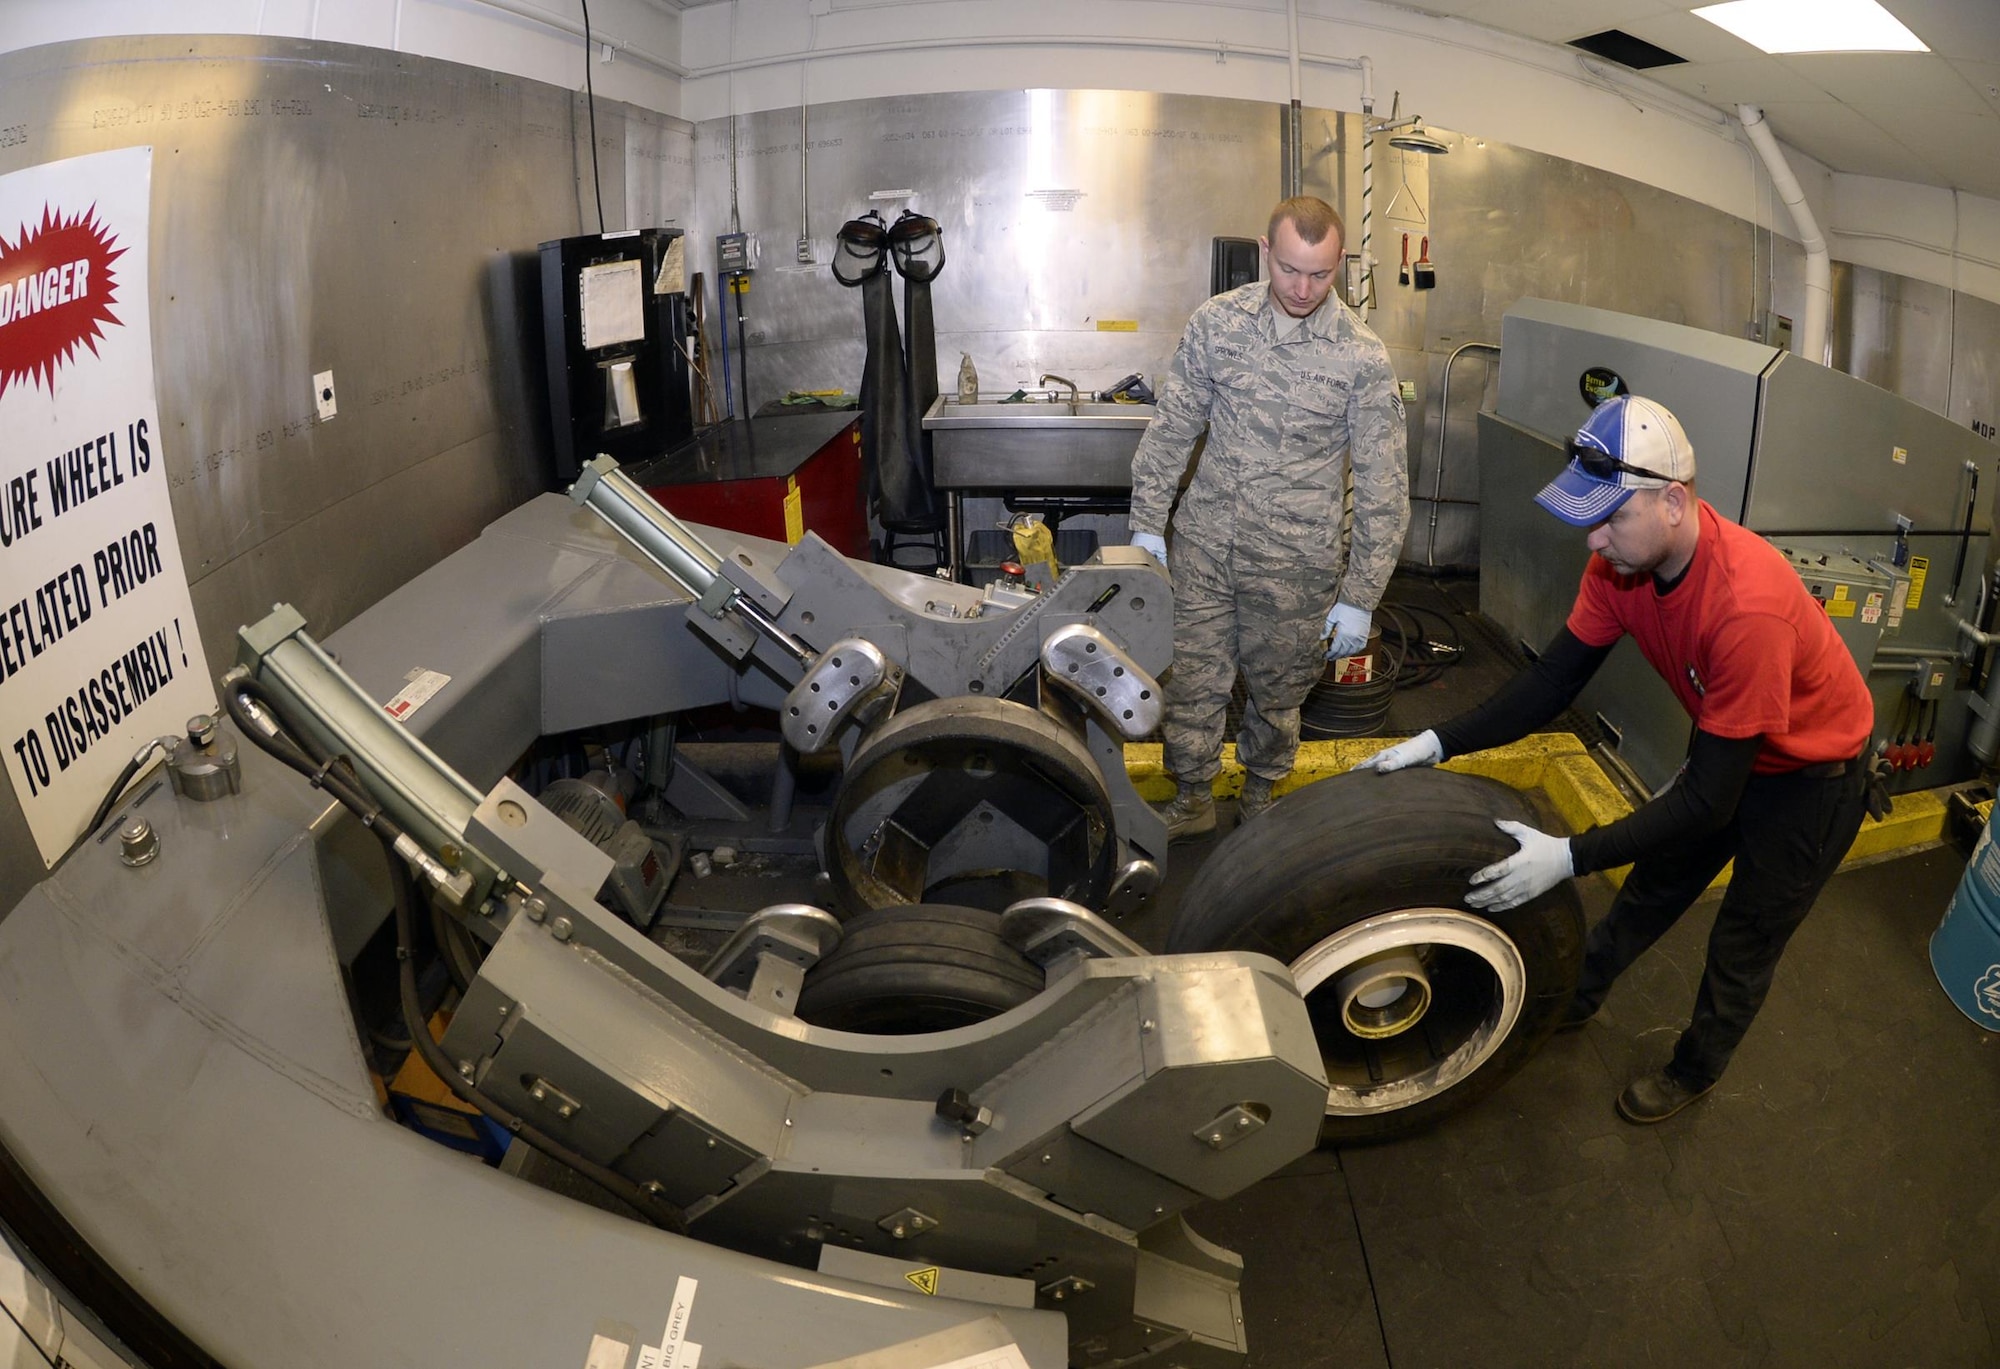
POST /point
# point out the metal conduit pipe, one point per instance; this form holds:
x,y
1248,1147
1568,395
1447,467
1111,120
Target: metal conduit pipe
x,y
1361,306
1132,43
1916,653
1810,341
1295,175
1444,418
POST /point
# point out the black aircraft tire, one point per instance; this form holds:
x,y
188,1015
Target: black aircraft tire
x,y
917,968
1354,879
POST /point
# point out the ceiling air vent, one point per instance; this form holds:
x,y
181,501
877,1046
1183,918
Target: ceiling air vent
x,y
1624,49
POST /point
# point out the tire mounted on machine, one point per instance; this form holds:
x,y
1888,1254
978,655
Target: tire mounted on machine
x,y
1420,1003
921,968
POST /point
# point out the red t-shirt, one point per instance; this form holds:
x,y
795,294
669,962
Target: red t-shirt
x,y
1744,648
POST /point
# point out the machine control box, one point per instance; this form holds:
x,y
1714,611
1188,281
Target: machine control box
x,y
735,254
1862,599
616,325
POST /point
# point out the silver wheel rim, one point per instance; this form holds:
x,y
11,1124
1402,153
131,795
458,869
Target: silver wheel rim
x,y
1422,930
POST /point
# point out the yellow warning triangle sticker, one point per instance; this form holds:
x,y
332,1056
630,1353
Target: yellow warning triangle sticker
x,y
924,1280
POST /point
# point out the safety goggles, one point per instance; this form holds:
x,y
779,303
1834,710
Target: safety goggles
x,y
1607,467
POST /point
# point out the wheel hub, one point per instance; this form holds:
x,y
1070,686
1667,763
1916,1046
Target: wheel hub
x,y
1409,1003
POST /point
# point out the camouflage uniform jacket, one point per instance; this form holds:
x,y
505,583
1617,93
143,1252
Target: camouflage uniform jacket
x,y
1285,419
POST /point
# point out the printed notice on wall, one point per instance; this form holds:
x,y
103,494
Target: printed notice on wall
x,y
98,649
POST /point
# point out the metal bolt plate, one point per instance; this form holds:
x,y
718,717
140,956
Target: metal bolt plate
x,y
907,1222
1232,1125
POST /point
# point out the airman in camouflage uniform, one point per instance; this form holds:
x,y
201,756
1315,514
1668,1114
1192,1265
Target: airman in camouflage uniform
x,y
1294,391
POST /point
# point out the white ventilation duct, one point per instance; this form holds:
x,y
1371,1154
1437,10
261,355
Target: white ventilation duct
x,y
1809,341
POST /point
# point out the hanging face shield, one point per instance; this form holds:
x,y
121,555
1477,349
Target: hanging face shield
x,y
916,244
860,249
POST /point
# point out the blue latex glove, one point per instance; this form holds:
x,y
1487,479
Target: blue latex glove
x,y
1347,630
1423,749
1540,865
1155,547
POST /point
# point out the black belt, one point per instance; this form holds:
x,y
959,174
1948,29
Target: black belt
x,y
1827,770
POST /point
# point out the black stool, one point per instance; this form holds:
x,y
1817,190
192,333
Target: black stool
x,y
925,537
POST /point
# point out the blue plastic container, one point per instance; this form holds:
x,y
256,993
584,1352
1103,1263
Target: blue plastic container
x,y
1965,949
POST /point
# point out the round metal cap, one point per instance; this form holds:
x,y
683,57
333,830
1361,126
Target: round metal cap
x,y
138,843
201,729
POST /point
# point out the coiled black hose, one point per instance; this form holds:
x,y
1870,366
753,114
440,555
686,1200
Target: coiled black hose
x,y
1407,657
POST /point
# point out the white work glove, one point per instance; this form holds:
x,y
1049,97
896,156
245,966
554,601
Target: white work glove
x,y
1423,749
1540,865
1346,628
1153,546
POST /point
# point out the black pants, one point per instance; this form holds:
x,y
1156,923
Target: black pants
x,y
1787,838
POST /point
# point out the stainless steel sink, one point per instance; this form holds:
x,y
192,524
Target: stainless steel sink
x,y
1042,443
1044,411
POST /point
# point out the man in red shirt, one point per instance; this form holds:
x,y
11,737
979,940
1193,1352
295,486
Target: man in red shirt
x,y
1775,777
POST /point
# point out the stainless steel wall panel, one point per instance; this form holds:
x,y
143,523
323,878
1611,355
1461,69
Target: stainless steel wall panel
x,y
1444,487
1067,216
1975,369
1510,223
407,522
1893,332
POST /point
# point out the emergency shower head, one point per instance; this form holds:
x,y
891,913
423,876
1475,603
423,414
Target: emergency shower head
x,y
1406,134
1416,140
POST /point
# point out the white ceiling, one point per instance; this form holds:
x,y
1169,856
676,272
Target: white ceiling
x,y
1933,117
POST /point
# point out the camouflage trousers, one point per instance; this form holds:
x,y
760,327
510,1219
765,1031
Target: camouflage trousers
x,y
1228,617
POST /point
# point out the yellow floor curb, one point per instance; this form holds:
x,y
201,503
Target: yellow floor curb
x,y
1554,762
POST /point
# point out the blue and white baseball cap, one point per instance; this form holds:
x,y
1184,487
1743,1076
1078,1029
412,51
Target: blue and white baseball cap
x,y
1628,444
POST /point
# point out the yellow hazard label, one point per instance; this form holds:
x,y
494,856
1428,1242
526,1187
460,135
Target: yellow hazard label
x,y
1837,607
1118,325
795,511
1840,591
1920,569
925,1281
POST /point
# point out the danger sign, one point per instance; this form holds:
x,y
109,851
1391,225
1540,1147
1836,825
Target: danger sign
x,y
98,648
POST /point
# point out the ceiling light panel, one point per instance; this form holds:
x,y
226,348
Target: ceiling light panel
x,y
1781,26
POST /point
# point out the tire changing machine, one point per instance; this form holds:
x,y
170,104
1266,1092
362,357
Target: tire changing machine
x,y
178,1053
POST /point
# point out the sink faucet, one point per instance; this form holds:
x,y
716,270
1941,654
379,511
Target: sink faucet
x,y
1065,380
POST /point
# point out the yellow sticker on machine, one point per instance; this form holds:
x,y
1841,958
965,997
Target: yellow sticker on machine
x,y
1920,567
925,1281
795,511
1840,606
1118,325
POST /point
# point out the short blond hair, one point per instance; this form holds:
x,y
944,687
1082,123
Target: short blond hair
x,y
1311,217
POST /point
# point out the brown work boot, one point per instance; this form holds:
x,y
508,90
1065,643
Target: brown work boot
x,y
1191,814
1257,796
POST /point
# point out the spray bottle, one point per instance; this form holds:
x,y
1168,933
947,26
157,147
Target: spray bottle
x,y
968,380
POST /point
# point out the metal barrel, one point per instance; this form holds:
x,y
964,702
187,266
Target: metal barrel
x,y
1965,949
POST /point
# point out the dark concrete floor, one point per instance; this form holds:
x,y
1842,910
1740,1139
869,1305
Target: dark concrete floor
x,y
1835,1200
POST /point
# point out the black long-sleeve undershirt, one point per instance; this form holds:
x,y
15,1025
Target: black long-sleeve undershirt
x,y
1702,798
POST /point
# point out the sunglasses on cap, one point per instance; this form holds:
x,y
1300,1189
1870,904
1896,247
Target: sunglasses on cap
x,y
1605,466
